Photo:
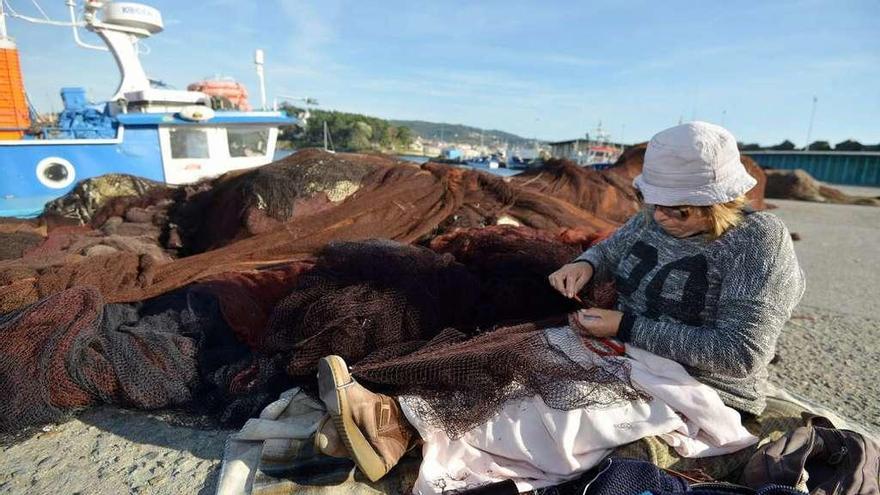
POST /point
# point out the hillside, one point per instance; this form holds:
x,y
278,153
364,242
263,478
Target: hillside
x,y
459,133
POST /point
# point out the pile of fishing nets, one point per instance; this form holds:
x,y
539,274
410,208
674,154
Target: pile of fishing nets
x,y
605,194
80,205
358,255
71,350
800,185
252,202
395,201
235,341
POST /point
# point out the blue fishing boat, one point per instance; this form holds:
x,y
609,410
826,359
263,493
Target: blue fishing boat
x,y
171,136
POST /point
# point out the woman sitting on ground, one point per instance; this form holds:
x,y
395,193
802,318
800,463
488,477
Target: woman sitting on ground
x,y
702,280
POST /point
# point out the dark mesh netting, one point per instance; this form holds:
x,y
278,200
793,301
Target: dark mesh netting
x,y
255,201
365,296
70,350
390,311
512,265
80,205
464,381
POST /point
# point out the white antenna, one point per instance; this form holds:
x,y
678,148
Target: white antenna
x,y
258,61
810,129
3,36
71,6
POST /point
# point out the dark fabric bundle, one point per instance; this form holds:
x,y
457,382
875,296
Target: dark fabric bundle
x,y
617,476
620,476
820,458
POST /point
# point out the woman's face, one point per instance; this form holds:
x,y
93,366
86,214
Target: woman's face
x,y
680,221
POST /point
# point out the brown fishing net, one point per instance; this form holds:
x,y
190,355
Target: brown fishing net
x,y
403,202
512,265
251,202
365,296
235,325
602,193
80,205
235,340
462,382
70,350
402,316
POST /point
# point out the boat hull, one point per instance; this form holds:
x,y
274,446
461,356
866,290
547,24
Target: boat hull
x,y
23,193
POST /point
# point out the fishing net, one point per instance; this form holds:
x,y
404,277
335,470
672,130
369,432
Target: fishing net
x,y
70,350
462,382
14,244
601,193
404,203
80,205
402,316
512,265
487,199
362,297
251,202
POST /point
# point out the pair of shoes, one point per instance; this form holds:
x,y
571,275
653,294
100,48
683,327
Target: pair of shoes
x,y
371,426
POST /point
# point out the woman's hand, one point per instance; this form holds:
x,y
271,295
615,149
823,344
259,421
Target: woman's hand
x,y
597,322
571,278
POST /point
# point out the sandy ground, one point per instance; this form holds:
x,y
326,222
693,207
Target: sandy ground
x,y
829,352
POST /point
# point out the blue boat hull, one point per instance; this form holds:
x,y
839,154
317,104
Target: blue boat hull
x,y
22,194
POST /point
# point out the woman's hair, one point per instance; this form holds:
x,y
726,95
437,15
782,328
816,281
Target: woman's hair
x,y
722,217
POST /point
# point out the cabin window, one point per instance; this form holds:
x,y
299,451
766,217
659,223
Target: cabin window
x,y
188,143
247,142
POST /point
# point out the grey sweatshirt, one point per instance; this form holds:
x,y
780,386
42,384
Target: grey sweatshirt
x,y
715,306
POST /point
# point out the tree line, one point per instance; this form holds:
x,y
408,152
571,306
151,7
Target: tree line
x,y
848,145
346,131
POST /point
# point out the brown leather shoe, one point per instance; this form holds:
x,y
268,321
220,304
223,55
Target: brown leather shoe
x,y
371,426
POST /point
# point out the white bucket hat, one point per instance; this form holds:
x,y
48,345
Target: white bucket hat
x,y
693,164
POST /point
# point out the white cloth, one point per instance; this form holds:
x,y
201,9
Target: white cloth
x,y
538,446
696,163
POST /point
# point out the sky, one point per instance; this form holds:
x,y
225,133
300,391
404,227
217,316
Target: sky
x,y
550,70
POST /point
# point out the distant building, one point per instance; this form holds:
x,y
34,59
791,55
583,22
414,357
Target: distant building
x,y
586,151
417,146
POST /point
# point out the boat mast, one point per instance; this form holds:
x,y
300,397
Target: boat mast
x,y
3,36
258,61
